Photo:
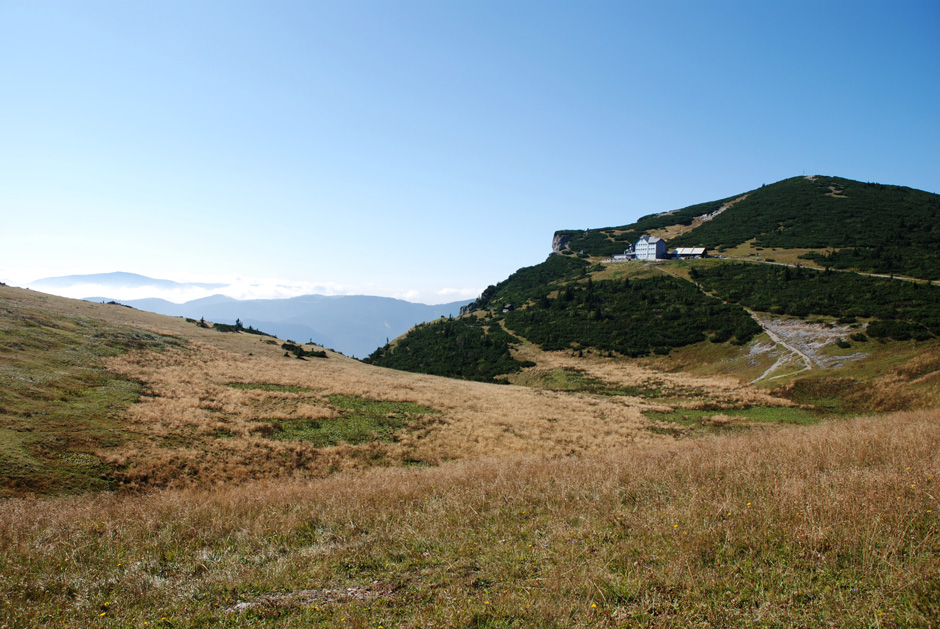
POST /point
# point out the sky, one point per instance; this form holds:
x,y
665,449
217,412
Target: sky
x,y
424,149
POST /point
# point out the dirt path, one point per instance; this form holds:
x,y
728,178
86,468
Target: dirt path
x,y
810,360
807,360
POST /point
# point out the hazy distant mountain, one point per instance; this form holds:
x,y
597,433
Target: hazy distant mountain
x,y
355,325
116,280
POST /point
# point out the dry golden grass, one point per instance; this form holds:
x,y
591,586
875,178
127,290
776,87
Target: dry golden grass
x,y
827,525
666,389
190,427
187,401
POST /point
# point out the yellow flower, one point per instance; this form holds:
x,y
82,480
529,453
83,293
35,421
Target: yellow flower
x,y
593,604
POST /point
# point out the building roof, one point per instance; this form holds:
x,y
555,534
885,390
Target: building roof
x,y
690,251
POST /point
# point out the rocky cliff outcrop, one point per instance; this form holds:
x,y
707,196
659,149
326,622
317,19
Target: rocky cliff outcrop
x,y
560,242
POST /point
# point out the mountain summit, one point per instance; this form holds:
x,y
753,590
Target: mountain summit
x,y
836,222
742,286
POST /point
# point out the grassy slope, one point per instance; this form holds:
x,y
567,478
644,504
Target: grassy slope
x,y
58,402
567,507
216,408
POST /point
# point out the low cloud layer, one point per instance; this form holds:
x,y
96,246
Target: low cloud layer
x,y
240,288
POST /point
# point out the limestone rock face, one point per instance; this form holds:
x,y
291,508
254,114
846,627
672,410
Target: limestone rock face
x,y
560,243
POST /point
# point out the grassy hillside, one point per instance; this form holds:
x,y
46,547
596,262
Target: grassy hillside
x,y
100,396
253,488
851,225
713,312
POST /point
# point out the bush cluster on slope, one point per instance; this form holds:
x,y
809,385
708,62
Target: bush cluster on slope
x,y
462,348
631,317
530,282
890,229
906,309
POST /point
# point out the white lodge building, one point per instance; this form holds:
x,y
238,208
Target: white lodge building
x,y
650,248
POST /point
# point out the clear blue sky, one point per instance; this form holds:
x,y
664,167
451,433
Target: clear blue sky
x,y
425,149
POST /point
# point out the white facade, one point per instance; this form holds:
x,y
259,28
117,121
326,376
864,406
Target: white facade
x,y
650,248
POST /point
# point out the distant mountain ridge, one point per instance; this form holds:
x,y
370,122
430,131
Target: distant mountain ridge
x,y
352,324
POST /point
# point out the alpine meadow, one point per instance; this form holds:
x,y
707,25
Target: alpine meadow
x,y
740,427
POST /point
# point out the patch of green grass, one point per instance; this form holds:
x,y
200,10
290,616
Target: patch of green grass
x,y
267,386
579,381
715,420
779,415
360,420
58,402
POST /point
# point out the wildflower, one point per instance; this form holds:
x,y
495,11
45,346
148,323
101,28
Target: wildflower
x,y
593,604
